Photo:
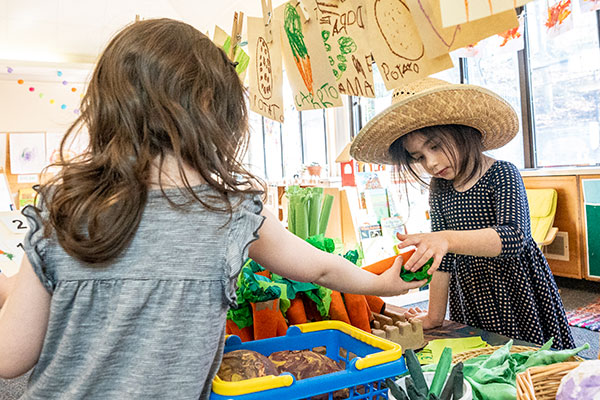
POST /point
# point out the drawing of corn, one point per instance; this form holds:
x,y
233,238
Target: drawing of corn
x,y
293,30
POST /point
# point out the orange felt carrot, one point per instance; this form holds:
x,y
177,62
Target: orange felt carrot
x,y
375,303
337,308
383,265
358,311
246,334
267,319
296,314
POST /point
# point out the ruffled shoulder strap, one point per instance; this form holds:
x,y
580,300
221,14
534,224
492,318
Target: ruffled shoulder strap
x,y
244,226
35,246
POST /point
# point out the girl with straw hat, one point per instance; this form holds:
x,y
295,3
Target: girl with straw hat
x,y
485,258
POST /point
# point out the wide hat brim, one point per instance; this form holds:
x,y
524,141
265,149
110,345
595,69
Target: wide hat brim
x,y
443,104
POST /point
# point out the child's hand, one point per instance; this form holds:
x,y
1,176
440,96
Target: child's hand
x,y
396,285
429,245
420,315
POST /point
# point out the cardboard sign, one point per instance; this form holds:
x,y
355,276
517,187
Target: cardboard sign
x,y
343,30
306,64
396,45
265,71
439,40
13,227
456,12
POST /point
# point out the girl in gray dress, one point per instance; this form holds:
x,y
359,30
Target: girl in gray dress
x,y
132,257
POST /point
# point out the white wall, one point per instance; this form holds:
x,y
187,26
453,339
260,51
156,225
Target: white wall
x,y
24,111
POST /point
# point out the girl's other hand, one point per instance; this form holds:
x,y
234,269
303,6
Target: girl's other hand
x,y
420,315
429,245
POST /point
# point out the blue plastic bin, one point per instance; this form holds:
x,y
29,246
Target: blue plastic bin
x,y
368,360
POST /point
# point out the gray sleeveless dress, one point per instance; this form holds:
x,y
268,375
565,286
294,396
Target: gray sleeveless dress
x,y
151,323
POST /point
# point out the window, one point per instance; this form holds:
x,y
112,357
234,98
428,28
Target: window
x,y
499,72
314,138
274,167
255,157
565,82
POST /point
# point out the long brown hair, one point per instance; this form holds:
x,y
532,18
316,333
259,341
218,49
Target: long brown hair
x,y
160,89
460,143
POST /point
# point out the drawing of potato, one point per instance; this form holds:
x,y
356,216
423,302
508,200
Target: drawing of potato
x,y
263,69
397,28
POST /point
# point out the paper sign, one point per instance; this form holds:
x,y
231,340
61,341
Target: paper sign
x,y
27,153
560,17
456,12
396,45
306,64
12,232
439,40
223,40
265,70
344,32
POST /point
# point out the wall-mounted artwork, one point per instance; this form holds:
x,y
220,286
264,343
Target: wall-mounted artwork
x,y
397,47
560,17
27,153
589,5
306,64
439,40
265,70
456,12
343,30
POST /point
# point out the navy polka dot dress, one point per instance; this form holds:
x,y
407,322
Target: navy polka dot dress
x,y
513,294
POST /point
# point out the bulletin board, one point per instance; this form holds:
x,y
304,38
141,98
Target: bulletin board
x,y
591,199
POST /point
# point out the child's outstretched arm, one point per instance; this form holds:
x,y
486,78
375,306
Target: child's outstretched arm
x,y
438,298
5,285
23,322
281,252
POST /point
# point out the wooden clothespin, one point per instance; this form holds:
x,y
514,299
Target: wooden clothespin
x,y
267,10
304,10
236,33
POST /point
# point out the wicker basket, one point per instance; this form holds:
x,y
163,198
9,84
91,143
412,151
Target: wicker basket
x,y
465,355
541,383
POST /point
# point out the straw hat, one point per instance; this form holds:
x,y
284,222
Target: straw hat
x,y
429,102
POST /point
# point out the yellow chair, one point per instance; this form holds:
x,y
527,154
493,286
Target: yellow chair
x,y
542,208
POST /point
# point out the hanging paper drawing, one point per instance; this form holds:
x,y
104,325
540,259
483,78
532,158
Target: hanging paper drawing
x,y
265,70
343,30
305,58
560,18
456,12
439,40
293,30
27,153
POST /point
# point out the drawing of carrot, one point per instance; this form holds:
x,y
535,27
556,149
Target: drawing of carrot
x,y
293,30
8,255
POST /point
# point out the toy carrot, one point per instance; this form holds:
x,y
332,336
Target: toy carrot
x,y
337,308
293,30
267,319
383,265
246,334
358,311
375,303
296,313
